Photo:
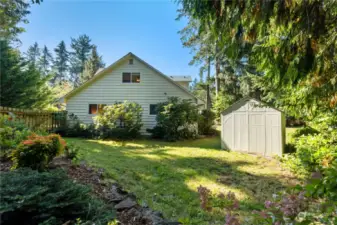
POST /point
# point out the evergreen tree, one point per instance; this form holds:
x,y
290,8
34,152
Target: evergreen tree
x,y
94,63
33,54
45,61
81,48
12,13
61,62
21,88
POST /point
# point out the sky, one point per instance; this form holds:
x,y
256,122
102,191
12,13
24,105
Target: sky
x,y
148,28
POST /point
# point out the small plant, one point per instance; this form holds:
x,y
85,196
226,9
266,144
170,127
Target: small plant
x,y
71,151
37,151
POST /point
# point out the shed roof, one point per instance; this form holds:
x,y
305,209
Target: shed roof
x,y
240,102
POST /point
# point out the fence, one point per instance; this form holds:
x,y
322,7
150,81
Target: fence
x,y
35,119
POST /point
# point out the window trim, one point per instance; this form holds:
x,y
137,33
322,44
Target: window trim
x,y
131,75
150,110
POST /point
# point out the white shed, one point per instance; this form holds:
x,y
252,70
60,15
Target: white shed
x,y
251,126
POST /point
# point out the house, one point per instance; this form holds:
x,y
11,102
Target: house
x,y
128,79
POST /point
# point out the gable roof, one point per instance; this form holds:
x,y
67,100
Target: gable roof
x,y
102,72
243,100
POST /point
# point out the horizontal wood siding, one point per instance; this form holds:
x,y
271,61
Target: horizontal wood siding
x,y
152,89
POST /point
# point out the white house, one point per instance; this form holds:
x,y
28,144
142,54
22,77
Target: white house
x,y
132,79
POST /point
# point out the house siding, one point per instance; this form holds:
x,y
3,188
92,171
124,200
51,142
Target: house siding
x,y
152,89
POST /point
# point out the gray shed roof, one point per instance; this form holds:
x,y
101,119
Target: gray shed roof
x,y
238,103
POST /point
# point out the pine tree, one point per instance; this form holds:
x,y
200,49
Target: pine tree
x,y
81,48
45,61
94,63
33,54
21,88
61,62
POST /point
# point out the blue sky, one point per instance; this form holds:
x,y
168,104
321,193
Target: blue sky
x,y
146,28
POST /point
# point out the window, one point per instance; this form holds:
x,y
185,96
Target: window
x,y
153,109
130,61
131,77
96,108
126,77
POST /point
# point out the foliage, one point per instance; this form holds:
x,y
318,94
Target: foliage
x,y
33,53
71,151
12,132
13,12
123,120
21,88
304,131
45,61
206,122
94,63
268,33
176,120
61,62
31,197
221,103
81,47
38,151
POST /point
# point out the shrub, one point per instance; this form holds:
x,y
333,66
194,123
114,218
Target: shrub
x,y
12,132
176,120
206,122
37,151
120,120
31,197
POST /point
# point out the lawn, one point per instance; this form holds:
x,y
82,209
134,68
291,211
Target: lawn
x,y
165,176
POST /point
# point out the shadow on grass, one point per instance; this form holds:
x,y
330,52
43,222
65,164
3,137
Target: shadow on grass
x,y
160,179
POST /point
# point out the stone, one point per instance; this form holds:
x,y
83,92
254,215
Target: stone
x,y
125,204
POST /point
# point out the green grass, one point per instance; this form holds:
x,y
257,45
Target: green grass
x,y
165,176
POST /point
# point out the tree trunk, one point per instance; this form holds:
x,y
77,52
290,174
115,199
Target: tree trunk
x,y
217,70
208,95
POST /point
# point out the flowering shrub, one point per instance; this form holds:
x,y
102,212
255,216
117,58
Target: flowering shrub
x,y
37,151
120,120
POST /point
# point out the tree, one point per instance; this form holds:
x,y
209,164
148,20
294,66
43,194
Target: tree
x,y
61,62
21,88
45,61
92,65
292,43
81,50
33,54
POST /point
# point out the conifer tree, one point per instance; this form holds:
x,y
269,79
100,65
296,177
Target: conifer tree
x,y
45,61
33,54
94,63
61,62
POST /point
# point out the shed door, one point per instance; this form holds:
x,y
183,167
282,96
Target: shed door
x,y
240,131
257,133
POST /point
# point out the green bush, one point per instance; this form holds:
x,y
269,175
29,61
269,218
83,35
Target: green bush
x,y
176,120
120,120
37,151
30,197
206,122
12,132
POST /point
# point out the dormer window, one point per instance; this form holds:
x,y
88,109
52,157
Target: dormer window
x,y
131,77
130,61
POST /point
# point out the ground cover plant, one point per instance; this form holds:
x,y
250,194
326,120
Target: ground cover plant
x,y
31,197
166,175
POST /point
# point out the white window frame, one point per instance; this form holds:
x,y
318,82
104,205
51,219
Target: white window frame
x,y
131,75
